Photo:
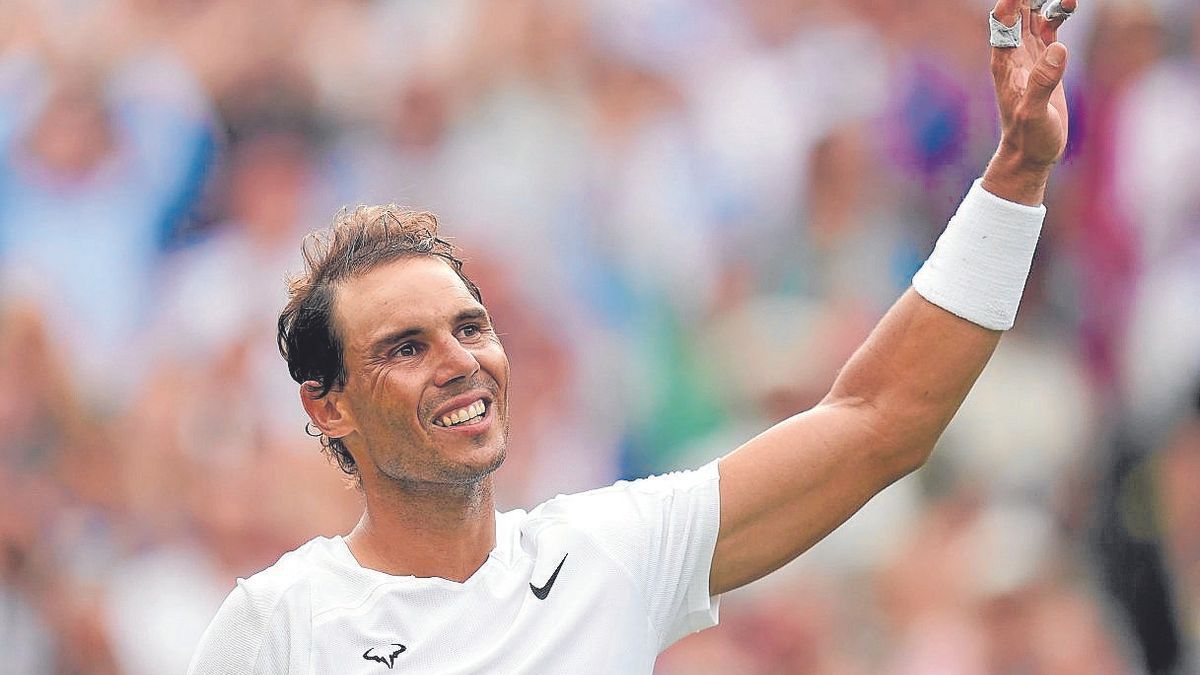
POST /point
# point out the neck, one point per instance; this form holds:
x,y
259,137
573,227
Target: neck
x,y
425,531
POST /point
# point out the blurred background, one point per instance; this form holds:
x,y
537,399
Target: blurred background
x,y
684,215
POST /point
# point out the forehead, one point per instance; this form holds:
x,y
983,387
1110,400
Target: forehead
x,y
418,292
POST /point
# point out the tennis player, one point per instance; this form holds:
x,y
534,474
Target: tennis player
x,y
403,377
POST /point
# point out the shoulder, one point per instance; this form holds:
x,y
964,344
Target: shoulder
x,y
292,572
629,517
626,498
266,611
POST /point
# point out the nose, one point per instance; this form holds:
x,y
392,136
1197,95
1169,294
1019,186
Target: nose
x,y
457,363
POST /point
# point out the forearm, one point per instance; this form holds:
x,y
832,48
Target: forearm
x,y
788,487
889,404
920,362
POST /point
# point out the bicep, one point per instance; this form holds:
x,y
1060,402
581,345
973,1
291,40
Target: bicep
x,y
787,488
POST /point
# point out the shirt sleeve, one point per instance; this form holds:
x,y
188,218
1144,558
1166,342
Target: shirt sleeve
x,y
257,632
663,531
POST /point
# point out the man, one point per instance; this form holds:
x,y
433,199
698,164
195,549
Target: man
x,y
403,375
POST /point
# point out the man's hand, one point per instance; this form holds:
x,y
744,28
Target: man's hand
x,y
1033,107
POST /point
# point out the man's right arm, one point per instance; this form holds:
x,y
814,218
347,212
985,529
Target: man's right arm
x,y
787,488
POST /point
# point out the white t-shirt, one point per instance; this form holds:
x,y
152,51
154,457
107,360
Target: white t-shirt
x,y
624,571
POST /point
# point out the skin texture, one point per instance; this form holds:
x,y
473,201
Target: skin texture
x,y
416,344
787,488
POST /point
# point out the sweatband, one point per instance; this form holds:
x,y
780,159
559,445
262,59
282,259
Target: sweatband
x,y
978,269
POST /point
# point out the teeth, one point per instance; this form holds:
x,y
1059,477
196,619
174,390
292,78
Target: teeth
x,y
461,415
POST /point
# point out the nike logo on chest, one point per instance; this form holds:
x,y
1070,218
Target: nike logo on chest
x,y
544,591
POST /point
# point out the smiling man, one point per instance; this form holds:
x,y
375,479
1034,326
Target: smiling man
x,y
404,378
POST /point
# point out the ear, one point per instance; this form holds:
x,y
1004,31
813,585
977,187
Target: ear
x,y
329,413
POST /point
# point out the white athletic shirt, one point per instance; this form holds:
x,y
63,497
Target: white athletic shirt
x,y
624,571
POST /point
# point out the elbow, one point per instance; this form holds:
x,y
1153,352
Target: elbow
x,y
914,437
909,459
898,441
915,433
900,453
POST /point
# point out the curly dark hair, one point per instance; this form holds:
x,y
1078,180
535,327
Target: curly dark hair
x,y
360,240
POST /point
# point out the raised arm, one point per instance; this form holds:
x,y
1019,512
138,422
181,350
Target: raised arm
x,y
790,486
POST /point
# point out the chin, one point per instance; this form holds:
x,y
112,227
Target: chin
x,y
489,462
490,452
472,467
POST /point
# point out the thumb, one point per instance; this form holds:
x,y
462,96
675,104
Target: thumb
x,y
1046,75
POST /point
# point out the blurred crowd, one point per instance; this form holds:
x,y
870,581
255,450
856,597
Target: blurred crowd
x,y
684,215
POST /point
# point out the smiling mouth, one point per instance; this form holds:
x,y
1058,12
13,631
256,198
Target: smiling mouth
x,y
464,416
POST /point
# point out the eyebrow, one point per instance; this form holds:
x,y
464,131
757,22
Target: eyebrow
x,y
389,339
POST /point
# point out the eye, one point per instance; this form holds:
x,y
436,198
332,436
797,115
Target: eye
x,y
406,349
470,330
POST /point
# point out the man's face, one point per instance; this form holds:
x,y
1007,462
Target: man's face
x,y
426,377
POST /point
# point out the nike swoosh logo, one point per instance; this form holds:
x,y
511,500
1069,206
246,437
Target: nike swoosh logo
x,y
541,593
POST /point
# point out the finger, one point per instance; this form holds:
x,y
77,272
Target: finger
x,y
1046,75
1005,11
1054,14
1057,11
1005,27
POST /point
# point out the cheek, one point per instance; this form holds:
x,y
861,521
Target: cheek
x,y
374,379
392,398
495,361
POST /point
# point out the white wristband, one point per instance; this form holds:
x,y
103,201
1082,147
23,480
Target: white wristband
x,y
978,269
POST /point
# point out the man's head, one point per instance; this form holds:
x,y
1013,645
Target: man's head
x,y
395,353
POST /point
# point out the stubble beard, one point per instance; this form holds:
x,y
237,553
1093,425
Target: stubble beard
x,y
428,470
416,464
